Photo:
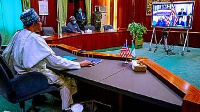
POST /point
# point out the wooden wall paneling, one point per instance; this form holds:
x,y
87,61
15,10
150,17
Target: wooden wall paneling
x,y
120,14
82,5
125,12
34,4
76,6
196,17
51,18
80,42
89,39
111,12
173,38
131,11
194,40
98,41
140,11
70,11
64,42
93,41
107,40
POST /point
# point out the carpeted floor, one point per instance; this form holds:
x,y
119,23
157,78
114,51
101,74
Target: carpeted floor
x,y
52,104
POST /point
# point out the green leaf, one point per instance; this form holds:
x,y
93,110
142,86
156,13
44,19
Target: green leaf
x,y
137,30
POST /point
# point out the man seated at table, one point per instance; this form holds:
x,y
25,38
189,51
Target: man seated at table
x,y
28,52
72,26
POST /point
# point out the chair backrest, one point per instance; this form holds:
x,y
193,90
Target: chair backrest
x,y
90,27
22,87
0,42
64,29
6,68
48,31
6,88
107,27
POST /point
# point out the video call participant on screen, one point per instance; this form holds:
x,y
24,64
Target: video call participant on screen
x,y
180,22
81,18
182,13
161,22
72,26
28,52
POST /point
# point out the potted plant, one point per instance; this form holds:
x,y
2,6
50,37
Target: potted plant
x,y
136,31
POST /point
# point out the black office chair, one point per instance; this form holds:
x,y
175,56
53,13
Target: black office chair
x,y
48,31
19,88
0,42
107,27
90,27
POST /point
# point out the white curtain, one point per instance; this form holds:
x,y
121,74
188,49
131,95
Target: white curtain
x,y
61,14
88,11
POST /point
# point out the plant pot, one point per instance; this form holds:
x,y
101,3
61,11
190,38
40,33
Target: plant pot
x,y
138,43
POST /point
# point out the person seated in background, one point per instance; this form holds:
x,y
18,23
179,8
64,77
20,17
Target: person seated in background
x,y
161,22
28,52
81,19
180,22
72,26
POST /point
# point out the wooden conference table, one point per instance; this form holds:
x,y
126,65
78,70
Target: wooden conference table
x,y
119,78
96,40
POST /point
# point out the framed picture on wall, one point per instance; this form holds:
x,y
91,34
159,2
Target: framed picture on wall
x,y
43,8
149,5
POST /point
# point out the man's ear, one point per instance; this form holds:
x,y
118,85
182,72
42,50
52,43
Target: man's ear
x,y
34,25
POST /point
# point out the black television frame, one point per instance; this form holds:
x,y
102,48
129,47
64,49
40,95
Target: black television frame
x,y
178,2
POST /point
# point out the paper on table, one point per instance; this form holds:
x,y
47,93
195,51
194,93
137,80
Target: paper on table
x,y
94,60
69,57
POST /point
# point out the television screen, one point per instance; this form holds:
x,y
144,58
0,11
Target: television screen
x,y
172,14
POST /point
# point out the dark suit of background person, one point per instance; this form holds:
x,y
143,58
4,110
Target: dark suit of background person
x,y
180,14
161,22
97,19
180,21
72,26
81,18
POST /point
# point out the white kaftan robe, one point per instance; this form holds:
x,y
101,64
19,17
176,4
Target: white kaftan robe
x,y
28,52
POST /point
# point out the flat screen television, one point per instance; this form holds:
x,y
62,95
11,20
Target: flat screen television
x,y
172,14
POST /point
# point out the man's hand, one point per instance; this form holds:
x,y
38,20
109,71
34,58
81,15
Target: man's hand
x,y
76,32
85,63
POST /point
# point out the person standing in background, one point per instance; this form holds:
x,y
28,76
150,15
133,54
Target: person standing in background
x,y
81,19
97,19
